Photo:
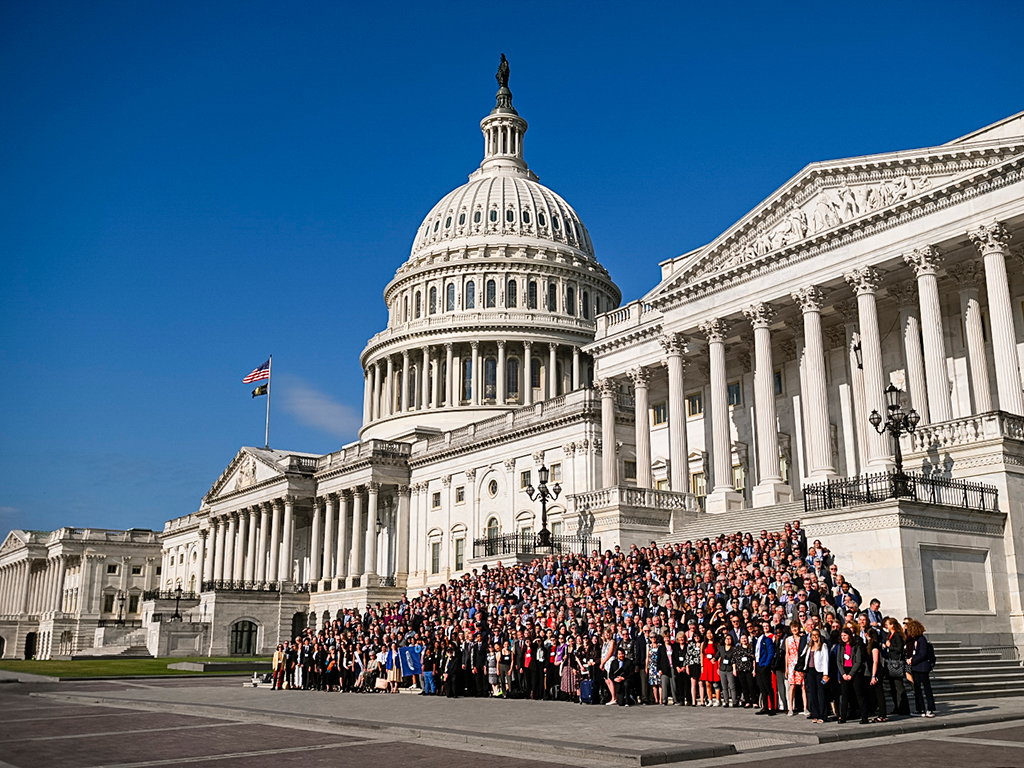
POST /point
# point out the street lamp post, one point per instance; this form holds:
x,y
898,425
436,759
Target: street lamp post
x,y
543,493
896,423
177,602
120,607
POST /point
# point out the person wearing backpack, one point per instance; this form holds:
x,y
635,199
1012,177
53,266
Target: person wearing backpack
x,y
921,656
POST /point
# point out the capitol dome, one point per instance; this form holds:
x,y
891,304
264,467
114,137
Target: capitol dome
x,y
500,291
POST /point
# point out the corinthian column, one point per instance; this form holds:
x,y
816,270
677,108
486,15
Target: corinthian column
x,y
241,537
328,550
376,405
204,567
552,370
314,545
474,373
230,545
641,378
286,569
275,543
865,282
370,551
910,321
425,378
925,262
342,569
770,489
250,547
674,345
407,399
968,275
527,373
389,387
449,375
819,442
501,377
357,526
992,242
261,543
402,543
609,461
723,496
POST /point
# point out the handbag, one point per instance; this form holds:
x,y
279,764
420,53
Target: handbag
x,y
380,684
895,668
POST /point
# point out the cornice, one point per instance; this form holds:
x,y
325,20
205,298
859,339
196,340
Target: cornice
x,y
635,335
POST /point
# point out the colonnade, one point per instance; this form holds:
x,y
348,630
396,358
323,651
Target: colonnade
x,y
34,586
924,360
454,375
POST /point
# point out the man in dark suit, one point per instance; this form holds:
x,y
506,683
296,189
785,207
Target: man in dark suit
x,y
480,666
449,676
620,671
764,655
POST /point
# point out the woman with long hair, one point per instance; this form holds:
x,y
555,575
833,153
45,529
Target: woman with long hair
x,y
743,663
816,677
607,654
692,659
710,682
654,649
726,673
921,657
894,649
850,655
794,678
873,673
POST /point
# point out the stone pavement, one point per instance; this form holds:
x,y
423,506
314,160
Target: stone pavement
x,y
220,722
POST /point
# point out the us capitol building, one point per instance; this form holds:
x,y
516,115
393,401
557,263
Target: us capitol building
x,y
736,394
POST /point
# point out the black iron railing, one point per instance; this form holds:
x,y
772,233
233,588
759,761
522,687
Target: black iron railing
x,y
240,586
388,581
122,623
525,543
167,594
868,489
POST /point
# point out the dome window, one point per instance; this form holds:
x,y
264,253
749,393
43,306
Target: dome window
x,y
418,306
449,303
510,294
462,219
491,295
510,215
476,217
494,215
432,304
586,305
541,219
526,217
470,295
448,222
552,297
570,300
437,224
554,222
531,295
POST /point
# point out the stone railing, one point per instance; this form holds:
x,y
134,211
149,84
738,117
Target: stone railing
x,y
475,319
627,496
633,314
387,448
993,425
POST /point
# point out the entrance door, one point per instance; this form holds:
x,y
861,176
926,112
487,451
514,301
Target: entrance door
x,y
243,638
30,645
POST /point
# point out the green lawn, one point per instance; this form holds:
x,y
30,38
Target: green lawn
x,y
110,667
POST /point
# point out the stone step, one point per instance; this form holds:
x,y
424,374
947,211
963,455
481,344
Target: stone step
x,y
994,693
709,525
946,668
980,675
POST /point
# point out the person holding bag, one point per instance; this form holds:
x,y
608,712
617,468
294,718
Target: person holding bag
x,y
921,656
893,649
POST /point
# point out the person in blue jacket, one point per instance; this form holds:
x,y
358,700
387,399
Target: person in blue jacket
x,y
764,655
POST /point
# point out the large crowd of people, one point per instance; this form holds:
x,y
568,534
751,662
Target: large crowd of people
x,y
759,622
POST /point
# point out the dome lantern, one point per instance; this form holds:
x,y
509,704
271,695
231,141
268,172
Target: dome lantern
x,y
503,131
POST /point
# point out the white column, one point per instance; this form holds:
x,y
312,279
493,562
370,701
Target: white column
x,y
328,552
230,546
407,398
402,544
609,461
342,567
913,356
674,345
370,552
641,378
552,370
864,282
968,274
201,556
819,442
243,528
218,568
250,547
501,375
770,489
261,543
315,544
358,518
925,262
275,543
474,374
992,242
527,373
723,496
367,397
425,379
435,382
389,387
286,569
450,375
376,391
576,384
211,555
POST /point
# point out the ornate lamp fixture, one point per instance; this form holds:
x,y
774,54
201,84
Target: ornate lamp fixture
x,y
543,493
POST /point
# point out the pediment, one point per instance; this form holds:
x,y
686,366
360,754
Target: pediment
x,y
13,543
827,197
248,468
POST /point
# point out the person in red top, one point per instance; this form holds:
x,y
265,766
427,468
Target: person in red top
x,y
711,688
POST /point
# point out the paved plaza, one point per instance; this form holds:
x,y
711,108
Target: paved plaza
x,y
218,722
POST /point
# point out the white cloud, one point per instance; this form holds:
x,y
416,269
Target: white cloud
x,y
317,410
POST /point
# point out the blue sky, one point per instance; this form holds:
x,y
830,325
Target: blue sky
x,y
187,187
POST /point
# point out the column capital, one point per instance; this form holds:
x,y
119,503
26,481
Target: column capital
x,y
527,344
864,280
640,376
404,490
569,449
673,343
501,343
905,294
276,505
810,299
715,329
990,238
448,346
607,387
474,345
373,487
345,494
318,501
967,274
266,506
446,480
925,260
289,498
471,474
760,314
405,355
203,533
510,465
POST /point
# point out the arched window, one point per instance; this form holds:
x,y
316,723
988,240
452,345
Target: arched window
x,y
510,294
597,304
526,217
462,219
570,300
476,217
552,297
432,304
467,379
512,378
490,378
405,309
541,220
586,305
510,215
243,638
491,295
531,295
417,305
449,301
442,390
492,528
470,295
535,373
494,215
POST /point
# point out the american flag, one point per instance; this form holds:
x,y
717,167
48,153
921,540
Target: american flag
x,y
261,373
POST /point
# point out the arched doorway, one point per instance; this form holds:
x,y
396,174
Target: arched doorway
x,y
30,645
3,647
243,638
299,621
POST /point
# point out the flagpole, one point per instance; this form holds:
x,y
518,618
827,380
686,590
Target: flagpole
x,y
270,373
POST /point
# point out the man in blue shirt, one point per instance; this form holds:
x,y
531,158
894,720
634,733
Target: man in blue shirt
x,y
764,654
